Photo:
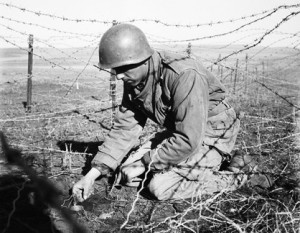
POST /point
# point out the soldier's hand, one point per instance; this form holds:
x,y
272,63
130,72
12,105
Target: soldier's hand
x,y
84,187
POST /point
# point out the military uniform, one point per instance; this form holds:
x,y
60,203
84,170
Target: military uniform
x,y
201,128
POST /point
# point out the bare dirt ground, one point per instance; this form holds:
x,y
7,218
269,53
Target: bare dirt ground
x,y
60,136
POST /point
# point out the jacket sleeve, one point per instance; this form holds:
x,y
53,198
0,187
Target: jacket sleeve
x,y
189,95
123,136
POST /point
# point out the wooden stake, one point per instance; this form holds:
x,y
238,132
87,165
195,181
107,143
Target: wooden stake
x,y
246,81
112,87
263,72
219,70
257,86
29,77
235,76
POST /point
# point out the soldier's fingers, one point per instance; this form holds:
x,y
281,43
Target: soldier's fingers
x,y
77,193
86,194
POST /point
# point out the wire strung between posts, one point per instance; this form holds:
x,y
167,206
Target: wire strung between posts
x,y
285,38
51,46
76,79
225,33
247,47
50,149
280,96
272,142
38,13
47,28
39,116
266,120
242,71
53,64
107,70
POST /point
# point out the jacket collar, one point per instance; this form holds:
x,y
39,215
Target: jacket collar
x,y
155,70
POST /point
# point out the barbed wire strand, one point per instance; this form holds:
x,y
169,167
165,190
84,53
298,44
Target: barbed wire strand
x,y
48,28
38,13
231,31
247,47
272,142
51,46
76,79
280,96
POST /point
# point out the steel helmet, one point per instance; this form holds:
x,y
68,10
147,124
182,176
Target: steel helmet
x,y
123,44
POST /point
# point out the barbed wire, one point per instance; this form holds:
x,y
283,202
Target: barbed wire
x,y
40,116
48,149
21,48
280,96
48,28
266,119
266,29
76,79
291,35
231,31
83,61
198,24
250,75
259,40
233,42
46,116
51,46
297,44
272,142
230,68
53,64
285,38
84,153
92,44
38,13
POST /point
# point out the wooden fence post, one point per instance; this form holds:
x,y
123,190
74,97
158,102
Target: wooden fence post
x,y
112,89
29,77
221,75
257,85
189,49
246,81
235,76
219,67
263,72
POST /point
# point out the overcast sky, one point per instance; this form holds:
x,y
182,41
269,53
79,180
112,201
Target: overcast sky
x,y
56,32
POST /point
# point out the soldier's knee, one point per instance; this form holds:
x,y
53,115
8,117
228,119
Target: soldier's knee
x,y
157,190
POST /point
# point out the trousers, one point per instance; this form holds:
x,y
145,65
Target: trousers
x,y
200,174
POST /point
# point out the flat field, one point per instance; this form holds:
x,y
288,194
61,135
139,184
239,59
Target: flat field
x,y
71,114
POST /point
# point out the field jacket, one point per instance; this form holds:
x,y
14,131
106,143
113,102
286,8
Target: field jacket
x,y
179,94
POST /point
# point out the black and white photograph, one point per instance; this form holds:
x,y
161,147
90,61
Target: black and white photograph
x,y
150,116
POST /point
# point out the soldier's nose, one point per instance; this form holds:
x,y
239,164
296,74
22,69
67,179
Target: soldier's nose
x,y
120,76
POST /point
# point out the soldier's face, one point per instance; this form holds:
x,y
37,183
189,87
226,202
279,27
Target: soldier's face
x,y
132,75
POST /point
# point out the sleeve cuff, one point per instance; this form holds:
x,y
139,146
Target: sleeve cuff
x,y
155,166
104,169
146,159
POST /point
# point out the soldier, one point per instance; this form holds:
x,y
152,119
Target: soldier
x,y
178,93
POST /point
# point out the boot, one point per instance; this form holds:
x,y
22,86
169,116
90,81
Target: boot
x,y
246,164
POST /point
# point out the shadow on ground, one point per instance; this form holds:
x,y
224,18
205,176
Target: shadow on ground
x,y
90,149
